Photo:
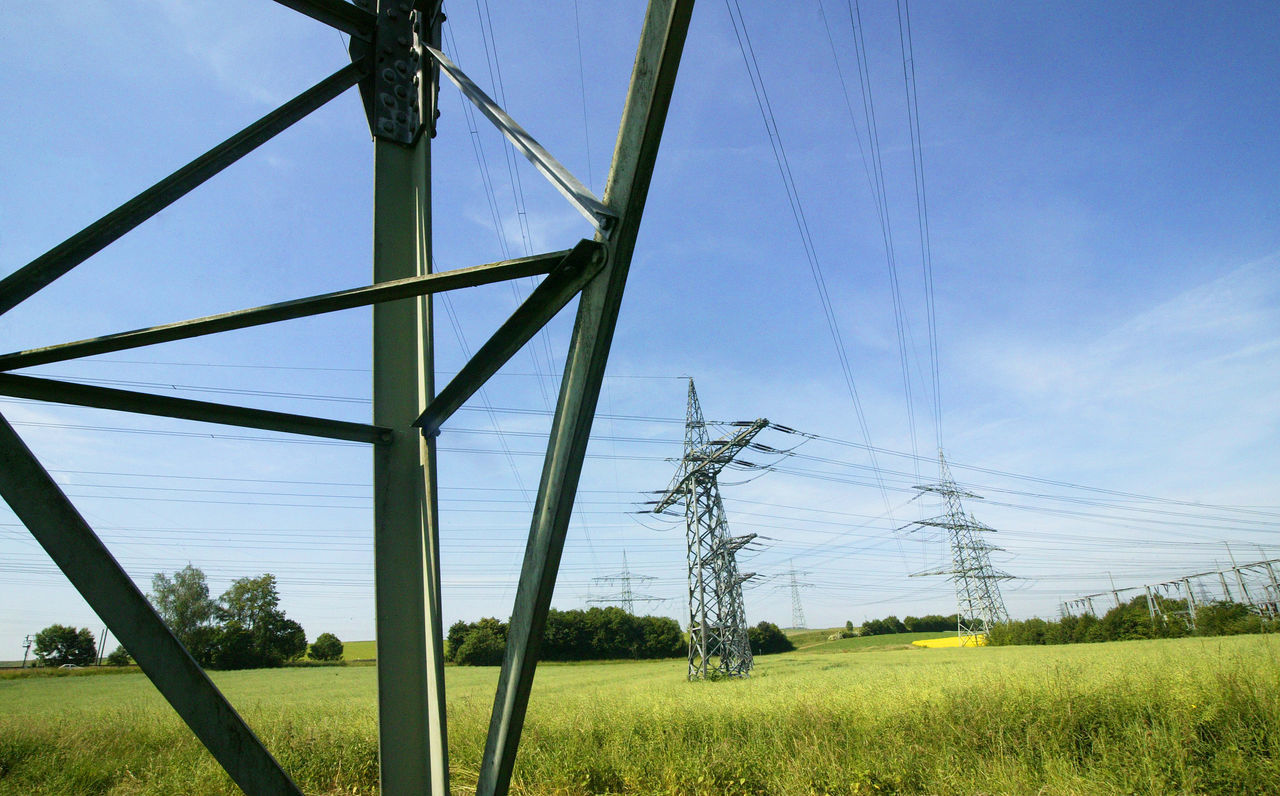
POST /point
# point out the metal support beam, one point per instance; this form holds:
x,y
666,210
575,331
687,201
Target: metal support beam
x,y
577,268
392,290
76,549
599,214
643,117
142,403
336,13
35,275
412,736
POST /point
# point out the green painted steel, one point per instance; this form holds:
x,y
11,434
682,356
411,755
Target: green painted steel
x,y
558,289
649,96
337,13
408,287
40,272
87,563
186,409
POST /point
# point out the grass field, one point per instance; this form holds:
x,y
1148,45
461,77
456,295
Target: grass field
x,y
1149,717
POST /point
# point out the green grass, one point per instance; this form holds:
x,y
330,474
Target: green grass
x,y
1185,716
359,650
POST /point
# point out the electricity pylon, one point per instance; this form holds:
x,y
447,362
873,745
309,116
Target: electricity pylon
x,y
717,618
625,595
977,584
797,609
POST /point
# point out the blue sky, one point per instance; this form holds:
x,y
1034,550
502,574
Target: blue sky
x,y
1105,232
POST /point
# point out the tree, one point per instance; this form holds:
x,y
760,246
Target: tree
x,y
120,657
327,647
58,645
250,601
255,633
767,638
183,602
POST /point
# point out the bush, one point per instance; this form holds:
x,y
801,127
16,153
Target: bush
x,y
327,647
767,638
482,647
120,657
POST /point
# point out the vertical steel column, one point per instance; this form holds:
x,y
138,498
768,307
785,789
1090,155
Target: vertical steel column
x,y
412,737
653,76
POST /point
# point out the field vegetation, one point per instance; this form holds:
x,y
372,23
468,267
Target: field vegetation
x,y
1190,715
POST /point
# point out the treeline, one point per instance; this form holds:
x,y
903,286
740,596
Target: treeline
x,y
1133,620
933,623
577,635
594,634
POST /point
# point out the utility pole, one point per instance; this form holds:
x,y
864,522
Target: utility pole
x,y
717,617
1151,606
1191,602
1244,590
626,597
1115,595
26,649
977,583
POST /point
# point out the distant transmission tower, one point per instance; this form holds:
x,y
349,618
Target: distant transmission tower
x,y
625,596
797,610
717,618
977,583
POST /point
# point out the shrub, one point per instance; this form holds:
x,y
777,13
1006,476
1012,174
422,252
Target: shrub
x,y
767,638
481,648
327,647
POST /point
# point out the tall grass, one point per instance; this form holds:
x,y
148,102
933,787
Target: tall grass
x,y
1177,716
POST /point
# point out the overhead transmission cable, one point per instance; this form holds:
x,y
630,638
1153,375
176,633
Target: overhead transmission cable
x,y
907,47
797,212
875,171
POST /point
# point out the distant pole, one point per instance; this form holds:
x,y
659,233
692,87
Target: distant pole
x,y
102,646
1244,590
26,648
1151,607
1115,594
1191,603
1273,594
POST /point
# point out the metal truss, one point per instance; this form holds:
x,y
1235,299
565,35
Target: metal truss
x,y
717,617
396,60
977,583
625,596
1257,586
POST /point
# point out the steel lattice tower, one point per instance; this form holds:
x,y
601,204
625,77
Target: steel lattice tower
x,y
977,583
797,610
717,617
625,595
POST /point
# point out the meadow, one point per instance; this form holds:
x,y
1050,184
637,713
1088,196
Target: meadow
x,y
1148,717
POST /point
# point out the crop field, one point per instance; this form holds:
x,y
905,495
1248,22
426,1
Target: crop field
x,y
1150,717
